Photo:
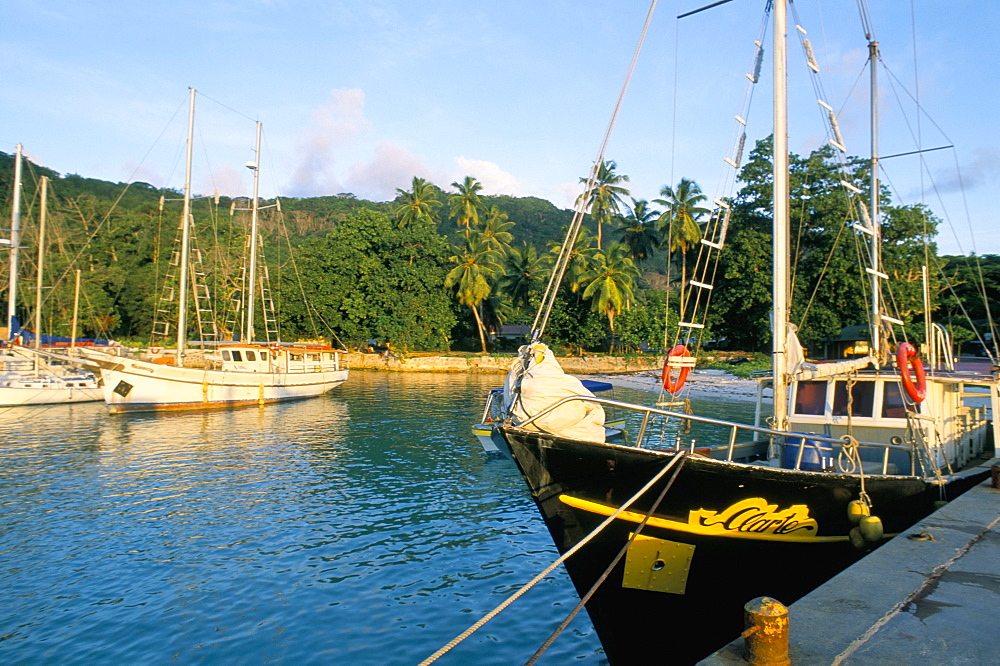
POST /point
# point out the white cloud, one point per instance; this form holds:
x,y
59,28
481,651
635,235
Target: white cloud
x,y
565,194
391,167
494,179
225,179
341,121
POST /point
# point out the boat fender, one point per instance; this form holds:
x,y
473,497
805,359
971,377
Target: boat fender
x,y
871,529
856,510
679,357
906,357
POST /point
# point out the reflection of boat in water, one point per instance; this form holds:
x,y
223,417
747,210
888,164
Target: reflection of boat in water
x,y
237,373
491,441
664,539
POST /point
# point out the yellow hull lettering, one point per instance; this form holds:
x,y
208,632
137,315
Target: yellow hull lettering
x,y
751,518
755,516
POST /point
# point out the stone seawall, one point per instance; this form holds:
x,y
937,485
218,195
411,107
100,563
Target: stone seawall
x,y
574,365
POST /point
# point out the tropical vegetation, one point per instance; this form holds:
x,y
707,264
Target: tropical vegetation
x,y
455,269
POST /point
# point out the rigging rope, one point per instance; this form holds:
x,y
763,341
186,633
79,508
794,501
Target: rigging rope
x,y
548,300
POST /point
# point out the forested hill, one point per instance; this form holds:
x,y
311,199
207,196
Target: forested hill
x,y
124,239
447,269
537,221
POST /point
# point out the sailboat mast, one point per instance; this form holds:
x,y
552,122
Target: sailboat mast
x,y
254,210
15,243
41,261
876,251
781,219
76,310
185,240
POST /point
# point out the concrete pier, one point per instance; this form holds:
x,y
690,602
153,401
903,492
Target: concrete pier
x,y
930,595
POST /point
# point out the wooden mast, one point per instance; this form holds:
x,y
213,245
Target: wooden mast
x,y
254,210
15,243
185,240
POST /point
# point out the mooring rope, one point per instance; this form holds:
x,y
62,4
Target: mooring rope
x,y
607,572
537,579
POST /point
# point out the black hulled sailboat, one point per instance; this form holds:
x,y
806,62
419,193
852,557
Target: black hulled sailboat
x,y
669,543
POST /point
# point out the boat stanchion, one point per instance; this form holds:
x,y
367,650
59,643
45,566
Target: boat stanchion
x,y
766,634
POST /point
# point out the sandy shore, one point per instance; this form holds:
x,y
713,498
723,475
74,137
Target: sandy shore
x,y
700,384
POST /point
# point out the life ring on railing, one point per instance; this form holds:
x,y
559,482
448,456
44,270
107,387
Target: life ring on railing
x,y
906,356
679,357
155,350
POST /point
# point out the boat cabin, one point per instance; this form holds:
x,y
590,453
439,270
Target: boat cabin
x,y
872,407
278,358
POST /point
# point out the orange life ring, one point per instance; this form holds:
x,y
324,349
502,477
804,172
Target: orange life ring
x,y
668,384
906,356
154,350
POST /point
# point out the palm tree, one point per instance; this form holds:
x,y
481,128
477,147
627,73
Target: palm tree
x,y
679,224
605,199
418,204
638,231
496,310
465,204
581,258
475,265
524,272
611,282
494,232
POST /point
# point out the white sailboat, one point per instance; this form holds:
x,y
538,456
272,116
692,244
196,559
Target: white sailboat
x,y
26,377
244,373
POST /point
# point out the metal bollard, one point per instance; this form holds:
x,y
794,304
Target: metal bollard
x,y
766,635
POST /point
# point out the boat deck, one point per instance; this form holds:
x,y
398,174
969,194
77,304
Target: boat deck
x,y
924,599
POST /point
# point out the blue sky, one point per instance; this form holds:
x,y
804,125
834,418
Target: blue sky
x,y
360,96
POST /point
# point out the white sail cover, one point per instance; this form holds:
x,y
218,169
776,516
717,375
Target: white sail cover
x,y
801,369
544,383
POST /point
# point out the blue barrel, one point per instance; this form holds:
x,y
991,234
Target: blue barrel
x,y
815,454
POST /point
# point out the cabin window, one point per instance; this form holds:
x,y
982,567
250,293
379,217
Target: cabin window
x,y
226,356
237,355
893,406
810,398
860,399
251,356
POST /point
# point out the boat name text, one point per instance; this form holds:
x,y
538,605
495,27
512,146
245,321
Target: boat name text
x,y
754,515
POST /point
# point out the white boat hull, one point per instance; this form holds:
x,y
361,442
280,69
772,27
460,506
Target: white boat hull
x,y
17,391
131,385
26,381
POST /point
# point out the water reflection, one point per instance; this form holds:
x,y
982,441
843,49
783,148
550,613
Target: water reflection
x,y
326,529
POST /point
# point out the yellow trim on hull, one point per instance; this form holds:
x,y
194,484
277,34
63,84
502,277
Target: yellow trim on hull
x,y
689,528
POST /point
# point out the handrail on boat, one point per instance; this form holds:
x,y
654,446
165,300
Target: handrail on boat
x,y
734,427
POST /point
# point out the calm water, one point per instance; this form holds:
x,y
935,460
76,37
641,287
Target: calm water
x,y
366,527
